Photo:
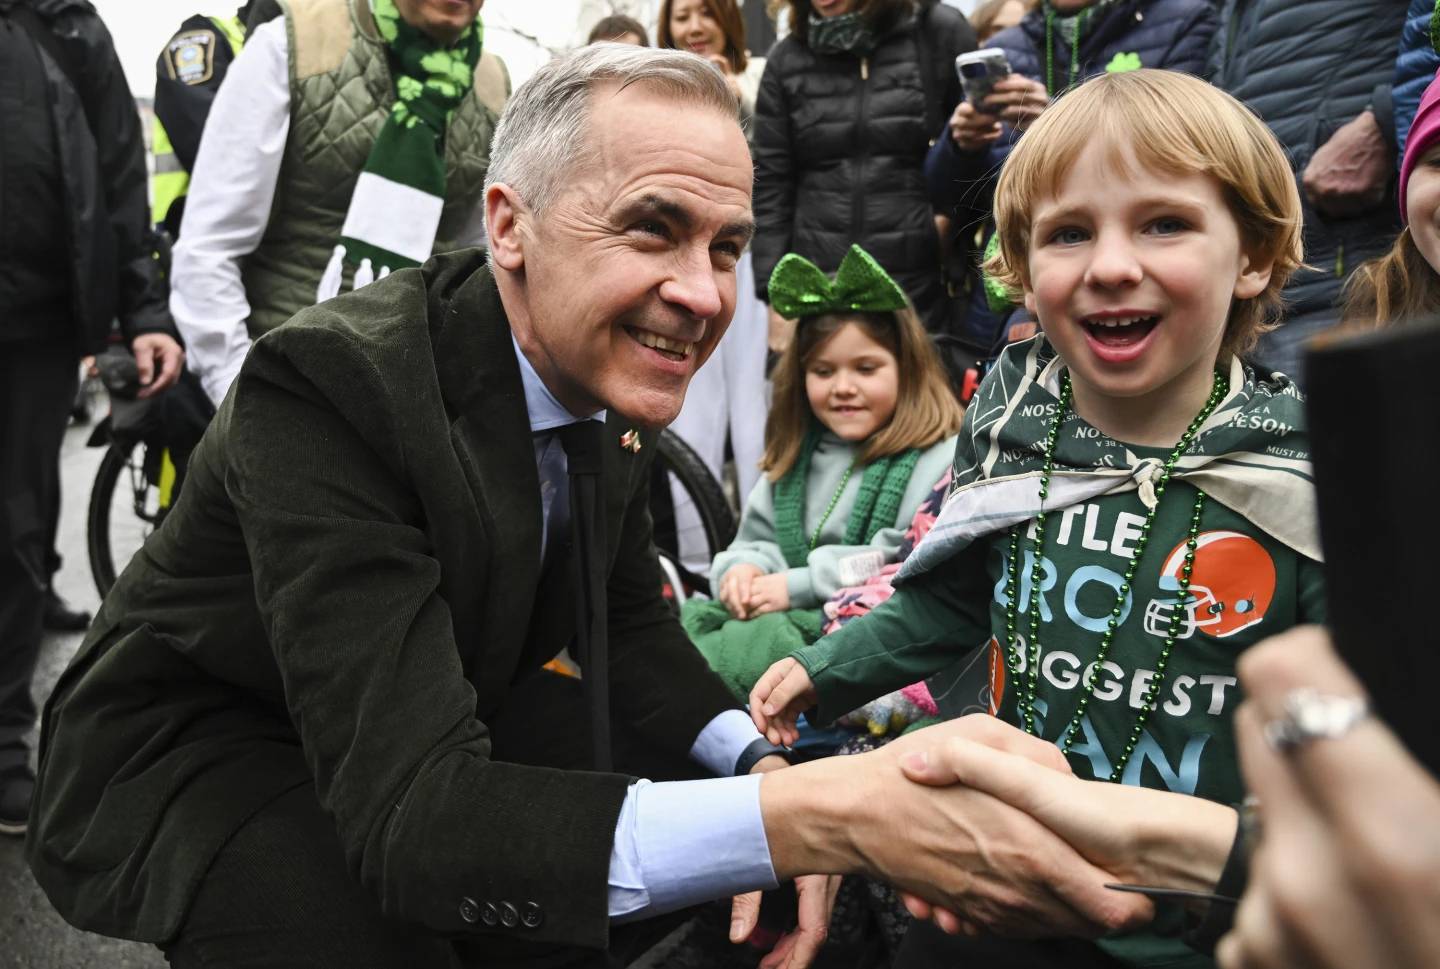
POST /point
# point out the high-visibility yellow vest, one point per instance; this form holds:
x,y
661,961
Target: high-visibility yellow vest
x,y
170,181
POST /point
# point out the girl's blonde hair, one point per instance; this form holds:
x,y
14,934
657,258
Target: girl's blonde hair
x,y
1172,123
926,412
1397,286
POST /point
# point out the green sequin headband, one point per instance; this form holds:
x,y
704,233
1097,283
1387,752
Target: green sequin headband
x,y
798,287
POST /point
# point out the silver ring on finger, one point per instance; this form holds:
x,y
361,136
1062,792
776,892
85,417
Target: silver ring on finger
x,y
1311,715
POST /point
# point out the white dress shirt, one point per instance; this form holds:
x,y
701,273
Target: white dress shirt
x,y
228,207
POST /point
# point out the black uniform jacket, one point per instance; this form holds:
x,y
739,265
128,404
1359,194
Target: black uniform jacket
x,y
347,587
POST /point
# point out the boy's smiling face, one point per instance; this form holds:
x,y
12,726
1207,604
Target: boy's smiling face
x,y
1131,274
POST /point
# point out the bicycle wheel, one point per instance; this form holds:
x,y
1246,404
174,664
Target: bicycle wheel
x,y
124,510
717,518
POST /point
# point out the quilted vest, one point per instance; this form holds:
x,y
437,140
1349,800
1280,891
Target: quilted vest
x,y
341,92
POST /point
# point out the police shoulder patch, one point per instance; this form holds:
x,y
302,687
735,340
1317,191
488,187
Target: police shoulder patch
x,y
190,56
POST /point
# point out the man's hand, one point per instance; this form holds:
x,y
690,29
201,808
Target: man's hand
x,y
797,948
778,698
1139,835
971,130
953,846
1348,175
768,593
1347,869
159,359
735,586
1018,101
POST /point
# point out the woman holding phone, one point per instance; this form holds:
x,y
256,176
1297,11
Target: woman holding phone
x,y
1056,46
849,104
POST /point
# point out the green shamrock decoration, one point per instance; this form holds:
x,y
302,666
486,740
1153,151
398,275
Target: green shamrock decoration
x,y
1123,62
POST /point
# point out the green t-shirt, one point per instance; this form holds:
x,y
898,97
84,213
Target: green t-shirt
x,y
1245,586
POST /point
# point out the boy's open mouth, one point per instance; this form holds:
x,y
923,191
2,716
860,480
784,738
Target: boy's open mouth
x,y
1119,331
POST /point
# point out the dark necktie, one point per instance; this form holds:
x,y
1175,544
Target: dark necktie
x,y
587,530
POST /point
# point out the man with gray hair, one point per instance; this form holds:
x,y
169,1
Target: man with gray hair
x,y
312,724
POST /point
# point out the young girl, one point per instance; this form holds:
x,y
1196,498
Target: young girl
x,y
1133,504
861,427
1404,284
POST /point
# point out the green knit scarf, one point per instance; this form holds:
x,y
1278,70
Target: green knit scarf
x,y
876,504
395,210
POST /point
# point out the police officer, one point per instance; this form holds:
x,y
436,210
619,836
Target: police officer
x,y
188,72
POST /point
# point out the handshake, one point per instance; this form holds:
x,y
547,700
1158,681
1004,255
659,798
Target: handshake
x,y
983,828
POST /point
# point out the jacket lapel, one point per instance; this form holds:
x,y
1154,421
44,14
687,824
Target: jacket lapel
x,y
490,431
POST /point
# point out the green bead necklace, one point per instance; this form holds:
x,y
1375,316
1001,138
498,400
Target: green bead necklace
x,y
834,500
1050,48
1025,698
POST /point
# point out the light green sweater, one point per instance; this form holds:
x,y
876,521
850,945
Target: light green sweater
x,y
831,566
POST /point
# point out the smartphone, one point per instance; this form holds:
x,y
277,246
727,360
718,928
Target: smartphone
x,y
979,70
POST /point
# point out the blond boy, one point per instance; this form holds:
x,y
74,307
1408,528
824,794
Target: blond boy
x,y
1133,504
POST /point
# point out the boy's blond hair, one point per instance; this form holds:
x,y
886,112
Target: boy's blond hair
x,y
1172,123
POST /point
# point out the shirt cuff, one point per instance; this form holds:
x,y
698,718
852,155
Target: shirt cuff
x,y
724,739
685,842
217,382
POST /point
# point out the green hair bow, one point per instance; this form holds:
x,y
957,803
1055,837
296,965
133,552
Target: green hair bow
x,y
798,287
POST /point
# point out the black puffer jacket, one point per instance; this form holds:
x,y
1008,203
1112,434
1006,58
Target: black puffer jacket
x,y
1170,34
840,145
1307,67
110,272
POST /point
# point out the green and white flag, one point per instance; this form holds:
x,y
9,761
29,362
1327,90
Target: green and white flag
x,y
395,209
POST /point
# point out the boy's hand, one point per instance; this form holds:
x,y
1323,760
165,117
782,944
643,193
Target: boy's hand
x,y
735,588
972,131
769,593
1018,100
778,699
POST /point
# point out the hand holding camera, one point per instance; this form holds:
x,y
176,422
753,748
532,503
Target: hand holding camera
x,y
993,94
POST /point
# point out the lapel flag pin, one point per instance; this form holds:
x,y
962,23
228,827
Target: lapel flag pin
x,y
630,440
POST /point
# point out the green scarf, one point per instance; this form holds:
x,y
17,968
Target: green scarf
x,y
876,503
395,210
846,34
1252,455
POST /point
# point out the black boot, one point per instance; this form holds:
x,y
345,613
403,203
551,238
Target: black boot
x,y
16,788
60,618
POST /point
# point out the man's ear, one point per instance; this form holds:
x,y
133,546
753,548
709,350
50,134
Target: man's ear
x,y
1253,278
1030,301
505,217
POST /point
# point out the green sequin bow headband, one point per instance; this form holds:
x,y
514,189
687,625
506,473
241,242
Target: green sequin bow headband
x,y
798,287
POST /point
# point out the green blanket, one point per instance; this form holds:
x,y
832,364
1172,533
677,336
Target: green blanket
x,y
741,650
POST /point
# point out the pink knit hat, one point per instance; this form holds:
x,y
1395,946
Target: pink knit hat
x,y
1424,134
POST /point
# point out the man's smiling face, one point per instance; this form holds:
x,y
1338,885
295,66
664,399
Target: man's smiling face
x,y
626,282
